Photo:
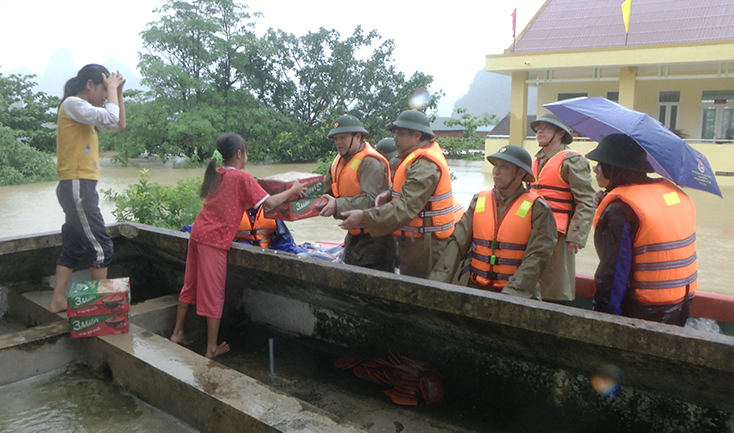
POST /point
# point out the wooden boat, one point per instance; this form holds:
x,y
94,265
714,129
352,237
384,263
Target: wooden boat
x,y
526,365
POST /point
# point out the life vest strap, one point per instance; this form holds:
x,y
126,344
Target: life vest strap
x,y
670,284
494,245
541,186
449,194
434,213
664,246
492,276
497,260
254,232
557,200
427,229
660,266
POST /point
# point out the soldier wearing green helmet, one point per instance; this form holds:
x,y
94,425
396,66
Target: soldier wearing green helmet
x,y
356,177
420,209
563,179
506,237
387,148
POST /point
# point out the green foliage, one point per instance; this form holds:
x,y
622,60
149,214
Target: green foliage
x,y
324,165
20,163
209,74
157,205
469,122
462,148
30,114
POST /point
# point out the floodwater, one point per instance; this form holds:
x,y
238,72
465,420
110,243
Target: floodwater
x,y
78,401
29,209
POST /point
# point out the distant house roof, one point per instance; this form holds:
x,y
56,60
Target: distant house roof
x,y
578,24
440,125
503,128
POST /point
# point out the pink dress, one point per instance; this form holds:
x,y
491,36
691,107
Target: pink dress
x,y
211,238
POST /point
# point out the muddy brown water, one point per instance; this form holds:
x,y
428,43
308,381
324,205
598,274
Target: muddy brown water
x,y
29,209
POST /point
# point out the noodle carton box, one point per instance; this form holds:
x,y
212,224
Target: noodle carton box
x,y
95,298
314,183
294,208
92,326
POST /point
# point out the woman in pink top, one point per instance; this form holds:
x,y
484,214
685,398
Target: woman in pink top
x,y
227,192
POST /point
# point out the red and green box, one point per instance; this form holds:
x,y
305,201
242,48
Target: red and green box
x,y
314,183
93,326
294,210
102,297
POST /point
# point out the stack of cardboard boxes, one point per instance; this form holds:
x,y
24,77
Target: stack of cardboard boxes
x,y
99,307
295,208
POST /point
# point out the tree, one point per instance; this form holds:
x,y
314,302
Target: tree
x,y
20,163
321,76
31,115
209,74
469,122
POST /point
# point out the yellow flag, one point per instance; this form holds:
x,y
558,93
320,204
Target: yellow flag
x,y
626,6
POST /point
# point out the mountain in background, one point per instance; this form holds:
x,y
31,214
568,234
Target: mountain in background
x,y
490,93
61,67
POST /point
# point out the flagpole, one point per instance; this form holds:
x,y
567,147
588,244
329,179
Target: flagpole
x,y
514,39
626,9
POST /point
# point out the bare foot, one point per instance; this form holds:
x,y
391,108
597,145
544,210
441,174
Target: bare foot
x,y
57,306
222,348
181,340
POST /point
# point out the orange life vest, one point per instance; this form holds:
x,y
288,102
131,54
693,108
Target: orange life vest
x,y
499,244
458,210
259,232
553,189
438,216
345,176
664,266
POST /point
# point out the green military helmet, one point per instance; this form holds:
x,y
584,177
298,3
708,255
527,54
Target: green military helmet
x,y
414,120
622,151
347,124
387,148
515,155
555,121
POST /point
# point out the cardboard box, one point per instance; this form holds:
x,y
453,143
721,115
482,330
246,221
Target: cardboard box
x,y
314,183
93,326
94,298
295,210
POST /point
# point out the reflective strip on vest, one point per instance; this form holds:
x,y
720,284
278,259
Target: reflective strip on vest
x,y
664,261
497,252
550,185
441,210
260,233
345,177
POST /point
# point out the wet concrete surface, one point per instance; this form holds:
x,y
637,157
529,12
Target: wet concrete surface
x,y
529,361
305,369
77,400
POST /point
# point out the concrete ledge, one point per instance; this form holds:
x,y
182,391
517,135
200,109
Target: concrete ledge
x,y
202,392
199,391
35,351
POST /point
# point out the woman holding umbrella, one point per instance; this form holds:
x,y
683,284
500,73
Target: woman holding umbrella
x,y
644,236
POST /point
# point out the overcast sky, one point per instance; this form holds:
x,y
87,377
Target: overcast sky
x,y
426,35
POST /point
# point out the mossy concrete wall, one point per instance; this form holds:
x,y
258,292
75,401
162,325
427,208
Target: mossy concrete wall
x,y
526,361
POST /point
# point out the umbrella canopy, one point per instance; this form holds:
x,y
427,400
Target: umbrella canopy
x,y
669,155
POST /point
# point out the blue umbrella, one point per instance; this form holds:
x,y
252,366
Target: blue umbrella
x,y
669,155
